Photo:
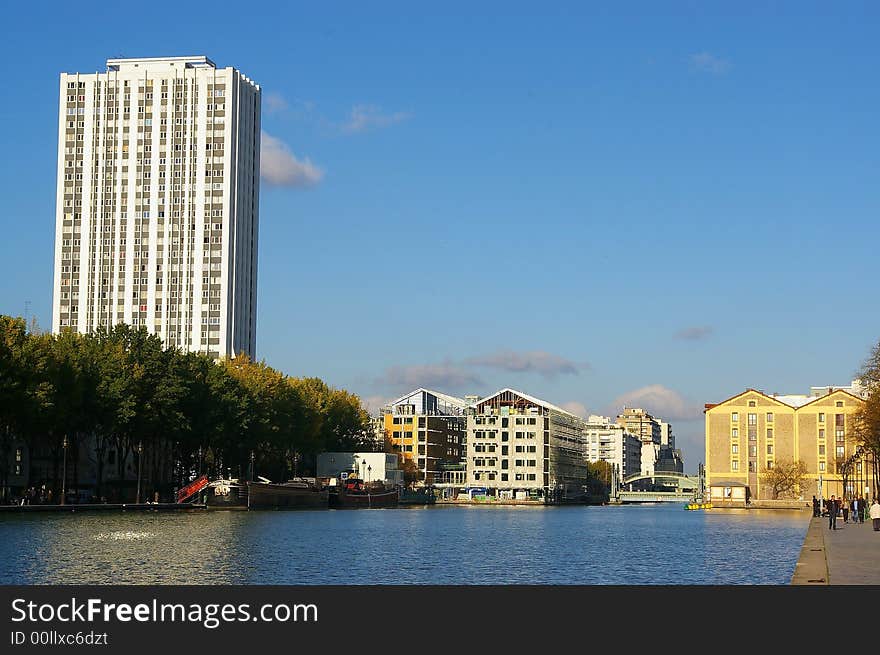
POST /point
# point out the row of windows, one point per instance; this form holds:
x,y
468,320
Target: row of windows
x,y
753,450
753,418
840,454
734,465
490,475
111,86
839,433
480,461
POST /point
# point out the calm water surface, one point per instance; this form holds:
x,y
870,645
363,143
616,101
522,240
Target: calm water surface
x,y
630,544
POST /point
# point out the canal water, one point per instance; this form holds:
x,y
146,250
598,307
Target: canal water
x,y
596,545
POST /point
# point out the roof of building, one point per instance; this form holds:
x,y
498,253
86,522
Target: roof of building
x,y
193,60
794,400
452,400
791,400
526,396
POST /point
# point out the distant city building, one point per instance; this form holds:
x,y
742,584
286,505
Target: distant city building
x,y
750,432
377,432
428,428
609,442
522,447
855,387
642,424
158,202
669,458
667,439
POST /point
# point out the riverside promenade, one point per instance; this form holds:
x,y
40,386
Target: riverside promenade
x,y
849,555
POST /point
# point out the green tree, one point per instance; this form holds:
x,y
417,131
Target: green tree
x,y
22,363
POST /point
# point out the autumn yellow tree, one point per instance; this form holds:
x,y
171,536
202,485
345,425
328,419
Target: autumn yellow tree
x,y
866,421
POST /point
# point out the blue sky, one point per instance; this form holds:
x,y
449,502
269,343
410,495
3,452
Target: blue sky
x,y
685,196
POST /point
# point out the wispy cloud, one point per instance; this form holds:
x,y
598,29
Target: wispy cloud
x,y
374,403
706,62
368,117
280,167
660,401
576,408
695,333
463,375
537,361
274,102
446,375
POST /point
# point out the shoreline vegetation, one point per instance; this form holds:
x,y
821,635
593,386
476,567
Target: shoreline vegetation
x,y
118,401
144,420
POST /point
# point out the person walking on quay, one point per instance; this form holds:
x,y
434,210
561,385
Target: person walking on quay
x,y
854,509
816,510
832,513
844,506
875,515
861,504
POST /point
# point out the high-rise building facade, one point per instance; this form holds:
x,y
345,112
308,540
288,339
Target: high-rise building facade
x,y
158,202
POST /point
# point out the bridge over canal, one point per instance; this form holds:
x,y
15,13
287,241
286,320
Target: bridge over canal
x,y
662,486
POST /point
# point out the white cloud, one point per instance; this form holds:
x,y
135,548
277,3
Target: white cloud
x,y
538,361
446,375
695,333
280,167
663,403
274,102
374,403
576,408
709,63
366,117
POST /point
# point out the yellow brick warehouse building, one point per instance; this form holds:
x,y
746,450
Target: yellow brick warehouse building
x,y
750,432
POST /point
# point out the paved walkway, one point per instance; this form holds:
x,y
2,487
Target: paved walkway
x,y
849,555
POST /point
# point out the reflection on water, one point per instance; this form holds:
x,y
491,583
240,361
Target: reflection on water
x,y
633,544
124,536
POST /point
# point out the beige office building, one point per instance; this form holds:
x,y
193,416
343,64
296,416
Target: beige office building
x,y
158,202
753,431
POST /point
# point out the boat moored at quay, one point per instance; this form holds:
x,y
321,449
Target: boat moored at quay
x,y
299,493
226,493
353,493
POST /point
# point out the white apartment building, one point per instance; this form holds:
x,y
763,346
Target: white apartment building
x,y
522,447
649,430
157,202
609,442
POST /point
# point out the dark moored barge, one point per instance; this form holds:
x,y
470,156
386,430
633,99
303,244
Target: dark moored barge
x,y
294,494
226,494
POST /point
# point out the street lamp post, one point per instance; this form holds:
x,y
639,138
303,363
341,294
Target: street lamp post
x,y
140,452
64,472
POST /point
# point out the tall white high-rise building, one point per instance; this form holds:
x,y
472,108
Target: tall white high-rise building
x,y
158,202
